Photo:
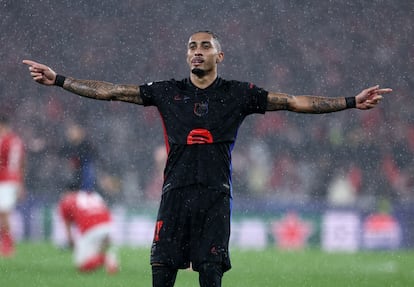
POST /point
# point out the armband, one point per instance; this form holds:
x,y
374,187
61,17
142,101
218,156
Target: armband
x,y
59,80
350,102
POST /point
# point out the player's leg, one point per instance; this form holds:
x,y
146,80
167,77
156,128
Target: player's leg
x,y
210,236
210,274
170,247
87,253
109,250
111,260
8,199
163,276
6,240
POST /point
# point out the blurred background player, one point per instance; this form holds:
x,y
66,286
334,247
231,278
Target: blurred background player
x,y
87,213
12,162
81,157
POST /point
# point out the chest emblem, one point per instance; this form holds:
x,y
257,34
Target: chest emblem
x,y
201,109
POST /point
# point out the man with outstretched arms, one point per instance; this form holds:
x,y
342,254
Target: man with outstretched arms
x,y
201,115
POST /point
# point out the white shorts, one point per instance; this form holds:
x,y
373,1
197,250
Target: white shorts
x,y
89,243
8,196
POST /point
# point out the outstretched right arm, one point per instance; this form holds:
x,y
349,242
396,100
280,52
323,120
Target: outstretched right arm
x,y
86,88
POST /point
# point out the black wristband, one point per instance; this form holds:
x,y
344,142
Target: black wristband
x,y
350,102
59,80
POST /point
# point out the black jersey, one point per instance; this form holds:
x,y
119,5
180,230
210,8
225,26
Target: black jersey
x,y
201,127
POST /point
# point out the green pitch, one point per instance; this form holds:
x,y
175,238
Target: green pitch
x,y
41,264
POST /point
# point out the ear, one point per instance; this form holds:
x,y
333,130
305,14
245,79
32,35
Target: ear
x,y
220,57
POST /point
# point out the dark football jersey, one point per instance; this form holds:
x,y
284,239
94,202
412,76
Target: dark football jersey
x,y
201,127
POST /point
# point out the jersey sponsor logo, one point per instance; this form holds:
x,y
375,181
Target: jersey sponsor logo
x,y
199,136
201,109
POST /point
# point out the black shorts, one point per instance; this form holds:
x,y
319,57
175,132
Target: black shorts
x,y
193,225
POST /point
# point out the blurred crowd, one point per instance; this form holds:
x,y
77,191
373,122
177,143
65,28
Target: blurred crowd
x,y
331,49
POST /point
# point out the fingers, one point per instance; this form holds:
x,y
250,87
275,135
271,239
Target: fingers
x,y
371,89
377,98
36,74
34,65
377,90
29,62
383,91
374,101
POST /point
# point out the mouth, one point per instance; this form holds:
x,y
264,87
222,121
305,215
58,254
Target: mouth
x,y
197,61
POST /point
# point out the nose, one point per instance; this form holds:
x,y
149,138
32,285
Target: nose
x,y
197,51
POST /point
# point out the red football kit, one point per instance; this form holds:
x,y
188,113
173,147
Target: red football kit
x,y
84,209
11,157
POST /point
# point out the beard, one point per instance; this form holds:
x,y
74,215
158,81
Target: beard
x,y
198,72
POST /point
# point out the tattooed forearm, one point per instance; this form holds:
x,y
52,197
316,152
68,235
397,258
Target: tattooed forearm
x,y
103,90
304,104
327,105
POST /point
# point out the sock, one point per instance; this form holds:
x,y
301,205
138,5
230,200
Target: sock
x,y
111,261
163,276
210,274
7,244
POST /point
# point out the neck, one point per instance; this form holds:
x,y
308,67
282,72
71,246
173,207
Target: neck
x,y
203,81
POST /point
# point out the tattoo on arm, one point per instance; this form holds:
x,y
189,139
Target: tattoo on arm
x,y
304,104
277,102
326,105
100,90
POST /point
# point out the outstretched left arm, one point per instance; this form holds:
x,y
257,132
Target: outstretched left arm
x,y
367,99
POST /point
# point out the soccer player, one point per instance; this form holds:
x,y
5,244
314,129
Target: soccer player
x,y
12,162
81,155
201,115
88,212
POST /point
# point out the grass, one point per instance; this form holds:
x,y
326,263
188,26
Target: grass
x,y
41,264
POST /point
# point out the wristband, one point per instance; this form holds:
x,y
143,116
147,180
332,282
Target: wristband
x,y
59,80
350,102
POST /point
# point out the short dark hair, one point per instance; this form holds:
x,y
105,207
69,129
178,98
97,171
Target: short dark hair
x,y
213,35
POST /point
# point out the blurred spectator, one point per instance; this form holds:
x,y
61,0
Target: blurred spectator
x,y
344,188
154,186
12,164
81,158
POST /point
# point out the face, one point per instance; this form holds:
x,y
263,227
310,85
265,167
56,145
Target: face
x,y
75,133
203,53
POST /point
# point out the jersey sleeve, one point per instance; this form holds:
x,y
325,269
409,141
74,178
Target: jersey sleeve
x,y
254,98
147,94
151,93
